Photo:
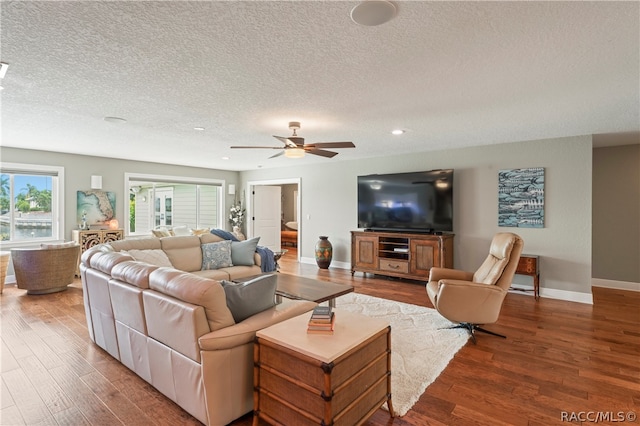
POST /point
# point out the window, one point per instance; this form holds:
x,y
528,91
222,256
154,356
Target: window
x,y
31,203
164,201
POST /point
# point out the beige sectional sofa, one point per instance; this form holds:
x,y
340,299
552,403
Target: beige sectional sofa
x,y
172,326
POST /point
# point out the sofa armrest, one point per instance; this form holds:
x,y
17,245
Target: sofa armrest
x,y
257,259
245,331
437,274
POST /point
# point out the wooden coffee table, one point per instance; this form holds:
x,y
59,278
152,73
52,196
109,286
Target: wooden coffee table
x,y
301,288
311,379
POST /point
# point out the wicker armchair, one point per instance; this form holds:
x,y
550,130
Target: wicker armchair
x,y
45,270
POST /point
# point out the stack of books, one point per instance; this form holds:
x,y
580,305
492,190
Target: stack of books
x,y
322,321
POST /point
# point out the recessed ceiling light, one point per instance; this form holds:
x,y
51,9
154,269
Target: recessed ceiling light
x,y
397,132
226,158
373,12
115,120
198,128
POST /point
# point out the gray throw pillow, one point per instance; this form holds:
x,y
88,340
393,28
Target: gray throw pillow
x,y
216,255
247,298
242,251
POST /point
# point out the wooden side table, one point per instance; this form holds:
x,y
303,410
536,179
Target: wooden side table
x,y
530,265
307,379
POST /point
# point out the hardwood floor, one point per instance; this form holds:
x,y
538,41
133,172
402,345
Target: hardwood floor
x,y
558,357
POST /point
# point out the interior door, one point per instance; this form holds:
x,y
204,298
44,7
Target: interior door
x,y
163,207
267,205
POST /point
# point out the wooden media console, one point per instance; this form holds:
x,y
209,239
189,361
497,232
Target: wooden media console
x,y
398,254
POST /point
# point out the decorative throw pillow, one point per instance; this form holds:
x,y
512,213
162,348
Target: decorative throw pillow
x,y
216,255
247,298
161,233
181,231
200,231
242,251
155,257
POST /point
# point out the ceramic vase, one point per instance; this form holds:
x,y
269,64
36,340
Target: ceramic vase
x,y
324,252
238,233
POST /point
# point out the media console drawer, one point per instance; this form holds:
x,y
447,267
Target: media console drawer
x,y
394,265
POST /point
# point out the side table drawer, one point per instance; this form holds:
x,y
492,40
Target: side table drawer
x,y
527,265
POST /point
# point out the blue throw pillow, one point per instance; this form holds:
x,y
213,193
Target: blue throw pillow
x,y
216,255
245,299
242,252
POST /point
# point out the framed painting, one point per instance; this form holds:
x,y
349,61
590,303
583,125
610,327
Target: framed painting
x,y
521,198
96,208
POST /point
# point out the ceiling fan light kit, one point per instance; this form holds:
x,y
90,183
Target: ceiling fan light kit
x,y
294,153
294,146
373,12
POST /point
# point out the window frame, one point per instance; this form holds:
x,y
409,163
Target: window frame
x,y
57,200
128,177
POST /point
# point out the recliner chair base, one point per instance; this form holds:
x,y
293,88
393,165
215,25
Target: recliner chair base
x,y
471,328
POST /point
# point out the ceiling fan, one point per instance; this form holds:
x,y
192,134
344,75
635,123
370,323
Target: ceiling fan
x,y
294,146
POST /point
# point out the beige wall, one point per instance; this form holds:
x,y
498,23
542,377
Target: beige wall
x,y
616,213
288,202
329,193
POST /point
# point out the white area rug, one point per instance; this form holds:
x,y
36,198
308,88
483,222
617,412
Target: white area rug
x,y
421,346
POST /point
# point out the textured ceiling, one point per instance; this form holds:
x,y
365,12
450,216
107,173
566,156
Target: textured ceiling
x,y
452,74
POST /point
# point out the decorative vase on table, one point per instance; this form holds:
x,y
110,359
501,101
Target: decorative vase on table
x,y
324,252
238,233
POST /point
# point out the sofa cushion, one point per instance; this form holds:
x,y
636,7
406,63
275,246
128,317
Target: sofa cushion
x,y
146,243
183,252
216,255
245,299
210,238
104,262
242,252
153,257
133,272
195,290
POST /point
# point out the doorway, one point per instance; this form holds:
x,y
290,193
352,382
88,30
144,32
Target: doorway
x,y
163,207
254,204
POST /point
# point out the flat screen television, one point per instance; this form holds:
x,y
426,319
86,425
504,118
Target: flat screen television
x,y
414,202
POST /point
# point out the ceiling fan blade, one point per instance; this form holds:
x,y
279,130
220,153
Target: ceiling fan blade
x,y
256,147
286,141
320,152
277,155
331,145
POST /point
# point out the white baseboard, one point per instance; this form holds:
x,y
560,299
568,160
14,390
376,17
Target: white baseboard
x,y
10,279
551,293
617,285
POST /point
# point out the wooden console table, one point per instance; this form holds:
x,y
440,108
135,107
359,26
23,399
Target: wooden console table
x,y
88,238
530,265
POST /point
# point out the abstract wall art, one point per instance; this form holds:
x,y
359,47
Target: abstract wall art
x,y
521,197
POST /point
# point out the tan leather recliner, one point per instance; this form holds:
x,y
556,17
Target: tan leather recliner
x,y
473,299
